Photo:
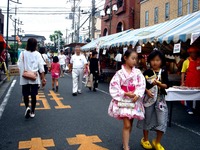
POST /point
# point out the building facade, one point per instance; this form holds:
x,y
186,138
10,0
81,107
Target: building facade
x,y
120,15
1,22
157,11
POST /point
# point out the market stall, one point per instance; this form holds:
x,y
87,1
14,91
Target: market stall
x,y
180,93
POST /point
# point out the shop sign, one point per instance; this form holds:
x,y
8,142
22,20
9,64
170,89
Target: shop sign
x,y
139,49
177,48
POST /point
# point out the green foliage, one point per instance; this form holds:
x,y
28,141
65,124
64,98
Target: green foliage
x,y
54,38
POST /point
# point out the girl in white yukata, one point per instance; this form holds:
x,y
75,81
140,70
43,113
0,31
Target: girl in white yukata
x,y
127,88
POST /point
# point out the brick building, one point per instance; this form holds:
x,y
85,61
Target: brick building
x,y
1,22
157,11
125,15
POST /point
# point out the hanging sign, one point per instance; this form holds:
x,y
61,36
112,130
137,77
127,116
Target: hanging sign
x,y
177,48
125,49
194,36
104,52
139,49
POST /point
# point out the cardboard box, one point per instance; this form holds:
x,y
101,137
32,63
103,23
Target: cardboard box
x,y
14,70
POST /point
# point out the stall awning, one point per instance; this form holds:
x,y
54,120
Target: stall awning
x,y
173,30
100,41
184,31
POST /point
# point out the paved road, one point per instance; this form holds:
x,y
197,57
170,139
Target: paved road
x,y
64,122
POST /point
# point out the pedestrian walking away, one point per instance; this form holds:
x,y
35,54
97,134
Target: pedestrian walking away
x,y
94,69
78,65
190,76
62,62
127,88
31,61
42,51
156,111
55,72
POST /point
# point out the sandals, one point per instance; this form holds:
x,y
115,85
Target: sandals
x,y
146,144
124,149
157,146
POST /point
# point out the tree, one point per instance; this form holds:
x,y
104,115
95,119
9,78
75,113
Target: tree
x,y
55,36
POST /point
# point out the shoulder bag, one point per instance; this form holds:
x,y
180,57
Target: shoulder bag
x,y
30,75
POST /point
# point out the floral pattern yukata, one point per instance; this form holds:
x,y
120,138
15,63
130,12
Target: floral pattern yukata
x,y
123,82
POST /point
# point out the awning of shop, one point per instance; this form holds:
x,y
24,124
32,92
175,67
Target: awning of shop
x,y
100,41
184,31
173,30
179,29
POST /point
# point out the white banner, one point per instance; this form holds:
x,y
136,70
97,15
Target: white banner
x,y
177,48
139,49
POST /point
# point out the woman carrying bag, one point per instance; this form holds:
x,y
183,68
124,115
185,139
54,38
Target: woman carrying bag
x,y
30,62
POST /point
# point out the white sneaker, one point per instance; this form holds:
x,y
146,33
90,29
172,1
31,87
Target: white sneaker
x,y
190,112
32,115
27,112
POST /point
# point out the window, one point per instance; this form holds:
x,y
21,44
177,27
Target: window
x,y
146,18
105,32
120,3
180,7
120,27
156,15
167,11
195,5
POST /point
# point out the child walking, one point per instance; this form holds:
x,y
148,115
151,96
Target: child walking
x,y
127,88
156,111
55,72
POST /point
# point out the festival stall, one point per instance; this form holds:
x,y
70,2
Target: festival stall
x,y
172,37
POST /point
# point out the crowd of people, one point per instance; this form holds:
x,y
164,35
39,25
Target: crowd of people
x,y
38,63
135,95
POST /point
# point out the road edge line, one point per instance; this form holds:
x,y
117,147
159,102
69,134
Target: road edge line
x,y
6,98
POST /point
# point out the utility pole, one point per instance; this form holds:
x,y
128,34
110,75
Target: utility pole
x,y
66,36
8,9
110,16
8,5
90,27
73,20
15,20
78,25
93,19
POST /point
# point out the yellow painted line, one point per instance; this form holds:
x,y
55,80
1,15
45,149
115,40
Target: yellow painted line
x,y
36,144
41,101
86,142
22,104
58,101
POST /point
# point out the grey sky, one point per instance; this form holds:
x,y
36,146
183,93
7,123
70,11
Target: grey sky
x,y
46,24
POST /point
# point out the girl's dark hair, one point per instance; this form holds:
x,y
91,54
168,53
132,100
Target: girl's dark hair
x,y
127,54
94,53
55,59
31,44
42,50
158,53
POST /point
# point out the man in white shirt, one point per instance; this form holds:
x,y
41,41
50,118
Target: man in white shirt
x,y
62,61
78,65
